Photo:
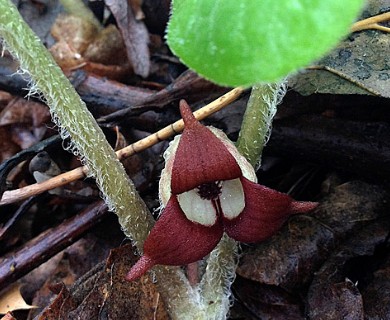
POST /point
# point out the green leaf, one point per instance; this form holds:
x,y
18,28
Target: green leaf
x,y
242,42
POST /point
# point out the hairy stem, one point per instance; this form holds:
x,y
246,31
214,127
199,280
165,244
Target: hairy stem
x,y
186,304
256,125
255,130
74,120
88,141
219,276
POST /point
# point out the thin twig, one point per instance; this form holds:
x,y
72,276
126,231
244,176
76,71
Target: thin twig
x,y
78,173
372,23
47,244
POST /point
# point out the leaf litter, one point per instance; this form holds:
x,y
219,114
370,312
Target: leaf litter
x,y
279,279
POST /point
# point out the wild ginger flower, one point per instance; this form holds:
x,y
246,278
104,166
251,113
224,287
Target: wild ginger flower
x,y
208,188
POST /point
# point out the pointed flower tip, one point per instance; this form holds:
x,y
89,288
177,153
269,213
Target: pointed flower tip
x,y
140,268
302,206
187,114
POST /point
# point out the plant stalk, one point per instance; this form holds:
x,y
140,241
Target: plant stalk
x,y
257,122
254,134
218,278
74,120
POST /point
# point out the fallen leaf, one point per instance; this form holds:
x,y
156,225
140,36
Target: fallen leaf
x,y
11,300
26,122
105,294
107,47
60,306
135,35
376,295
5,98
340,299
66,56
334,291
65,267
265,302
7,147
290,258
141,300
21,111
113,72
63,275
81,46
75,31
359,65
24,138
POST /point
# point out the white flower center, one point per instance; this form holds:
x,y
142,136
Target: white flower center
x,y
205,203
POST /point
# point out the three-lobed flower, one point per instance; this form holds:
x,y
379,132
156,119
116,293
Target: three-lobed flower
x,y
207,188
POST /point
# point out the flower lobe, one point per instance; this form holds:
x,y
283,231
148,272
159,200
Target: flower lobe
x,y
200,156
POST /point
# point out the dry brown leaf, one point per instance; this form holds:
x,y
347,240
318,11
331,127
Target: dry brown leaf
x,y
290,257
107,48
24,111
336,287
66,57
259,301
80,45
113,72
77,32
22,123
140,298
64,268
105,294
135,35
5,98
11,300
60,306
40,16
7,147
376,296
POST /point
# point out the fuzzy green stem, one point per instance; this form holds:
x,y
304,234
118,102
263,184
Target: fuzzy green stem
x,y
186,304
211,300
221,265
74,120
256,125
88,141
79,9
219,275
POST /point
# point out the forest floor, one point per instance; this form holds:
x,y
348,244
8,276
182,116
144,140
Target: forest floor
x,y
62,252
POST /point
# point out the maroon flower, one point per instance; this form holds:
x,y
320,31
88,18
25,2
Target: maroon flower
x,y
207,188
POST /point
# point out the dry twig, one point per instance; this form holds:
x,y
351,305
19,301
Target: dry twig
x,y
372,23
67,177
